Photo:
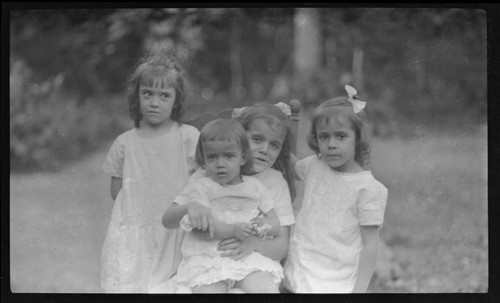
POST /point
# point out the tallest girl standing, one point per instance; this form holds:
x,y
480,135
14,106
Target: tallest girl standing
x,y
148,165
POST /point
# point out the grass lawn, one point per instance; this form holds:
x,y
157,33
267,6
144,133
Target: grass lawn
x,y
436,220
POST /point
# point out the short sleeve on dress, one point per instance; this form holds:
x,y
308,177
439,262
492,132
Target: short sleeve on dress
x,y
113,164
371,206
200,191
190,136
302,166
283,203
266,202
183,197
300,169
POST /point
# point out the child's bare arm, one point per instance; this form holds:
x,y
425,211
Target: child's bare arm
x,y
275,248
224,231
368,257
200,216
173,215
116,186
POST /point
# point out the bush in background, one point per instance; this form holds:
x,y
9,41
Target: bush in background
x,y
49,127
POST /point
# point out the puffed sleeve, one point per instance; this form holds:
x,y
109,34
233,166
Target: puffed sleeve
x,y
283,203
190,137
113,164
302,167
371,206
196,192
183,197
266,201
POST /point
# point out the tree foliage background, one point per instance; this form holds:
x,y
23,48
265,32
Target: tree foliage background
x,y
68,67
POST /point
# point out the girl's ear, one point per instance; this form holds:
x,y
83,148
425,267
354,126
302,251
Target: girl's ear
x,y
244,159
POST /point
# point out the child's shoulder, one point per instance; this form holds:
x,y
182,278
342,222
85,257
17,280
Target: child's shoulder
x,y
252,181
204,182
372,183
308,160
270,177
127,135
188,130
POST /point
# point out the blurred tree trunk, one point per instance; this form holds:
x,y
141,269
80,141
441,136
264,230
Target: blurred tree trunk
x,y
237,90
307,52
357,68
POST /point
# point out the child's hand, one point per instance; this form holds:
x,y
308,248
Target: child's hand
x,y
201,217
261,227
242,230
234,248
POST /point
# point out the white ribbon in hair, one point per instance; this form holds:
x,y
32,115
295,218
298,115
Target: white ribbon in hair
x,y
357,105
285,108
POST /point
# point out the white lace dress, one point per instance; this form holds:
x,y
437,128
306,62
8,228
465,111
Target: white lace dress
x,y
138,251
201,261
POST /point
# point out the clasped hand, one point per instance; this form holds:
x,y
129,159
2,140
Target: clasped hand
x,y
201,218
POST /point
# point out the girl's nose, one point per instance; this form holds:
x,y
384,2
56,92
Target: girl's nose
x,y
220,162
332,144
155,101
264,148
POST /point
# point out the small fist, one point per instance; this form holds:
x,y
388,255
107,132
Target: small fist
x,y
242,231
260,227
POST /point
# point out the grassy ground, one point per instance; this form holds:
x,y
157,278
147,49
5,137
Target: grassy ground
x,y
436,219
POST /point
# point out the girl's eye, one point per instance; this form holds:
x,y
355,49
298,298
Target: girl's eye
x,y
276,145
165,96
210,157
146,94
323,137
230,156
257,139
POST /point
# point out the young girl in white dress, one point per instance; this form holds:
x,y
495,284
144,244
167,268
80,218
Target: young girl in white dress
x,y
149,165
236,202
333,248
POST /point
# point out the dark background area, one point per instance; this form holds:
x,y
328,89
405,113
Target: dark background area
x,y
68,67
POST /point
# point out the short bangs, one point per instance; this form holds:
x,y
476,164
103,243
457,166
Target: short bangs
x,y
156,77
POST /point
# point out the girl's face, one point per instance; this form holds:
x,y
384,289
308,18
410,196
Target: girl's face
x,y
266,142
156,103
336,142
223,161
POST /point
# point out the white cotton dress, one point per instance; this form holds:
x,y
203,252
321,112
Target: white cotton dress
x,y
138,252
326,243
201,261
277,186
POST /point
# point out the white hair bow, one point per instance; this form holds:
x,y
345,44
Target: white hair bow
x,y
285,108
357,105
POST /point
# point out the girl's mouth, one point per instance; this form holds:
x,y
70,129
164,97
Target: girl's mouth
x,y
260,160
